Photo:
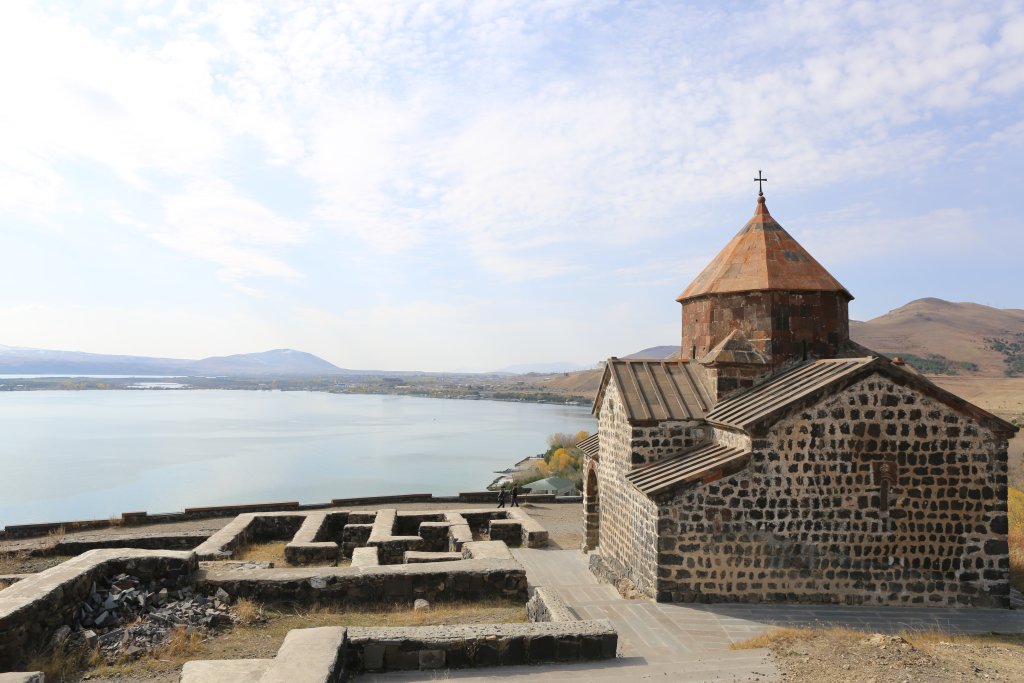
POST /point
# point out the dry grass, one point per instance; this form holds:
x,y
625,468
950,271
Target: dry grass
x,y
261,552
181,642
63,663
248,611
1016,538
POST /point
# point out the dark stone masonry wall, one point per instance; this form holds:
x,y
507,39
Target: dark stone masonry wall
x,y
778,324
877,495
627,538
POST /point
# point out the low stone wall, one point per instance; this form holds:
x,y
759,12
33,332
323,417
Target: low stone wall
x,y
534,535
546,605
20,531
459,532
385,584
354,536
250,528
457,647
391,547
304,548
183,540
33,608
508,531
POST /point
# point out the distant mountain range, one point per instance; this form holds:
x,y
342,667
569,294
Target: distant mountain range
x,y
16,360
937,337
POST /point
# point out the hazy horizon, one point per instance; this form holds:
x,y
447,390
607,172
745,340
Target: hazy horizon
x,y
444,186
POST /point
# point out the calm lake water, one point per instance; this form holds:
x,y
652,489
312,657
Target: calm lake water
x,y
93,454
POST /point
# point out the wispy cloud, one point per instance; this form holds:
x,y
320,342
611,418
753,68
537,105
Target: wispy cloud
x,y
268,141
213,222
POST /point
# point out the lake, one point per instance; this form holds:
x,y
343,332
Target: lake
x,y
69,455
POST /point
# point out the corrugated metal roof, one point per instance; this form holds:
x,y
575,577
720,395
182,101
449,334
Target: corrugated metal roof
x,y
654,390
749,407
762,256
590,445
685,468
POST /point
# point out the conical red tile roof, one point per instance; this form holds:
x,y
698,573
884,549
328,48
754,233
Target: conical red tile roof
x,y
762,256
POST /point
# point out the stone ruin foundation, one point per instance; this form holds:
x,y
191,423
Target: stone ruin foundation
x,y
125,600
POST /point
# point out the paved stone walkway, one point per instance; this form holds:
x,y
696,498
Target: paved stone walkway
x,y
690,643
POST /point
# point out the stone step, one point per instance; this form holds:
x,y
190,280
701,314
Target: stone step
x,y
308,655
224,670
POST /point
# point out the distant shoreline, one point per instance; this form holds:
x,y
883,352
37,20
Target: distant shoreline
x,y
453,387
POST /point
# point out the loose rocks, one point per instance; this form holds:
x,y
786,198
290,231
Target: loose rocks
x,y
128,618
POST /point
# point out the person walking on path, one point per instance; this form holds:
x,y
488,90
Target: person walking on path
x,y
501,498
515,496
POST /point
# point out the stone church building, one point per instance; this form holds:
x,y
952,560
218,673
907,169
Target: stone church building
x,y
776,460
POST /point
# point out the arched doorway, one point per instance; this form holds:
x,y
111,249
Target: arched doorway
x,y
591,510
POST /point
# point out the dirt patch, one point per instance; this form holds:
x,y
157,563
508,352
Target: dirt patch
x,y
847,656
262,639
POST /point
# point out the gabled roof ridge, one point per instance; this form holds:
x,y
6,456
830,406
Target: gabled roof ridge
x,y
766,403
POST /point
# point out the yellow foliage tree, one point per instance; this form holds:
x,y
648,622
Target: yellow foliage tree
x,y
561,460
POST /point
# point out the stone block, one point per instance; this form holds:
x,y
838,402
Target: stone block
x,y
431,659
373,656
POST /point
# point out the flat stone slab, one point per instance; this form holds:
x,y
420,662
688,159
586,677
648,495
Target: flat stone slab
x,y
308,655
223,671
365,557
22,677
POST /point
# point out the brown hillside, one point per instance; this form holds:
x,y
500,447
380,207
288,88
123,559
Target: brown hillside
x,y
582,383
933,326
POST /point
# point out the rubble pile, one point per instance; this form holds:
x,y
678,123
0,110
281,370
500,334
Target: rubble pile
x,y
128,618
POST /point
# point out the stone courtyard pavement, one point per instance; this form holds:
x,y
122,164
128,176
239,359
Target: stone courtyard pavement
x,y
690,643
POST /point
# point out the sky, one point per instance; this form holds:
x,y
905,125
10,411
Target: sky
x,y
467,185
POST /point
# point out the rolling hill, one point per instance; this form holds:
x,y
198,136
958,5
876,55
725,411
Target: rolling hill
x,y
960,332
17,360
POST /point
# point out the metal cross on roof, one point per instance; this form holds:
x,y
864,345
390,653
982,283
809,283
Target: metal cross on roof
x,y
760,180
